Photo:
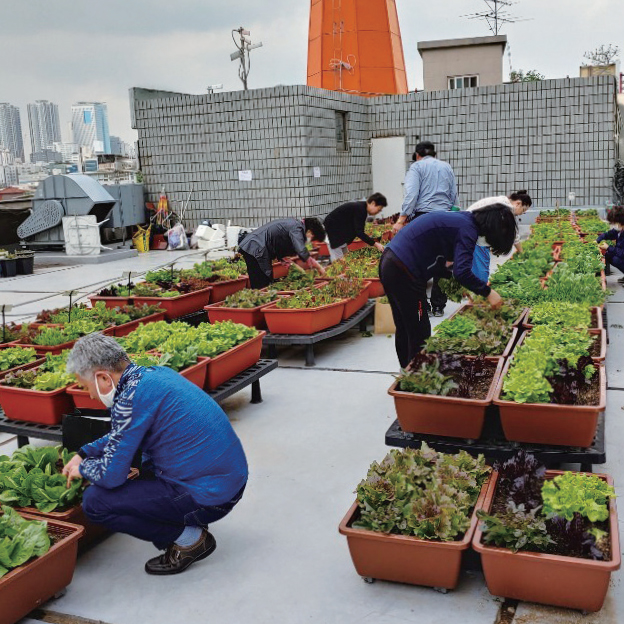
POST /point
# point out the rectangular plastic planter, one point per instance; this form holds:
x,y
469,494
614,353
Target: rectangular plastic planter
x,y
112,302
376,289
123,330
357,245
596,319
25,588
229,364
196,374
36,406
34,364
175,307
549,579
545,423
252,317
280,270
56,349
303,322
222,290
444,416
405,559
355,305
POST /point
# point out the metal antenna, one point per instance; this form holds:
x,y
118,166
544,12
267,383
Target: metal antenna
x,y
496,15
244,47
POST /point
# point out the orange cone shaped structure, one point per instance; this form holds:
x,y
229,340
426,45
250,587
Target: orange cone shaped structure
x,y
355,46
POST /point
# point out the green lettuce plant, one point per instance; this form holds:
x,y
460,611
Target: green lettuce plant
x,y
421,493
16,356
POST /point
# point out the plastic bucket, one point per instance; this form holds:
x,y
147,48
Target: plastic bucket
x,y
141,239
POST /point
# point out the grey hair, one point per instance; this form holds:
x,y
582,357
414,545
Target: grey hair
x,y
96,352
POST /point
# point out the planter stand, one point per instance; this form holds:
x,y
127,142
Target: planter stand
x,y
494,446
286,340
54,433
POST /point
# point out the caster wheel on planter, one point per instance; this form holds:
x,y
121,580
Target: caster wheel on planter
x,y
60,593
368,580
441,590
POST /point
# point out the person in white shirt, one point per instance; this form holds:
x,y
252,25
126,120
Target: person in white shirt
x,y
519,202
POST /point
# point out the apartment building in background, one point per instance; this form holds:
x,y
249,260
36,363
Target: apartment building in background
x,y
45,127
11,130
90,126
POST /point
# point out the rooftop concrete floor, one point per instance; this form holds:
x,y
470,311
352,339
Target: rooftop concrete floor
x,y
280,558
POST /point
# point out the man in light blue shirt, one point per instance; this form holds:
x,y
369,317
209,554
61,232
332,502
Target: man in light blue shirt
x,y
430,186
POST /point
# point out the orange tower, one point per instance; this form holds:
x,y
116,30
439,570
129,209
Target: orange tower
x,y
355,46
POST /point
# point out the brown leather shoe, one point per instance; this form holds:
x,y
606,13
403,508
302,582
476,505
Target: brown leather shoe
x,y
176,558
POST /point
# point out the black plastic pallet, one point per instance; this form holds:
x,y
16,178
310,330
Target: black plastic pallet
x,y
497,448
286,340
54,433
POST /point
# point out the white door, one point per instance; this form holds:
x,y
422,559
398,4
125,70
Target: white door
x,y
389,167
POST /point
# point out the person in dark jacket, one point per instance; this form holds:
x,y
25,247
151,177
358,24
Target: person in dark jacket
x,y
614,254
194,468
429,247
348,222
275,241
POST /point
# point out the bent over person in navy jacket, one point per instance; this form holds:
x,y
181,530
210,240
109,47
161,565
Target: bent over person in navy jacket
x,y
194,468
614,254
429,247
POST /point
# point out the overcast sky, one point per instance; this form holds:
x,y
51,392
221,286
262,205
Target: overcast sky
x,y
69,51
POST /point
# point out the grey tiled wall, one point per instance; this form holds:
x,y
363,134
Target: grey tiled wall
x,y
551,137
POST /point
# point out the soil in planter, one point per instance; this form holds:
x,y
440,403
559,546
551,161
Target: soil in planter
x,y
596,346
499,506
588,394
469,388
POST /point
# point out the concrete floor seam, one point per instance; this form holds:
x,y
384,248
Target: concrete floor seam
x,y
336,370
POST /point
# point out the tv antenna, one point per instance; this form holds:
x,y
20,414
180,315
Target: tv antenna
x,y
244,47
497,15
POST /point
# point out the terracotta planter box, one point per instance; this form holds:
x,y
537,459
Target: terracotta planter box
x,y
355,305
596,319
56,349
252,317
357,245
123,330
280,270
112,302
322,248
601,335
303,322
175,307
404,559
233,362
545,423
28,366
27,587
548,579
222,290
46,408
376,289
444,416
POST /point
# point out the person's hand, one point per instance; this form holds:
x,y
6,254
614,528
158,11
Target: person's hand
x,y
519,248
287,263
379,247
321,270
495,300
72,469
449,264
397,227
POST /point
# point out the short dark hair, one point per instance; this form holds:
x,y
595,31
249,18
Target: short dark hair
x,y
523,197
313,225
426,148
616,215
379,199
498,224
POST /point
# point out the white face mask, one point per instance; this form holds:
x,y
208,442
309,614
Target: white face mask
x,y
109,398
482,242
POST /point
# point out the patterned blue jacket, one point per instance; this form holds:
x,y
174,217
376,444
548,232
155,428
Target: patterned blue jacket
x,y
185,437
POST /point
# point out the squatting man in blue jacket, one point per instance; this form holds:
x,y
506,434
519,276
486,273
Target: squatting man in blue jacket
x,y
614,254
429,247
194,468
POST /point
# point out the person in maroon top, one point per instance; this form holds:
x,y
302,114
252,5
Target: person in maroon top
x,y
348,222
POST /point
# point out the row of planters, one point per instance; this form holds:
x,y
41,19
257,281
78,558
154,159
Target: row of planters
x,y
543,536
297,304
540,358
381,232
35,389
41,524
180,292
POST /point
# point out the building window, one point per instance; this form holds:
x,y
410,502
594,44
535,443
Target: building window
x,y
463,82
342,139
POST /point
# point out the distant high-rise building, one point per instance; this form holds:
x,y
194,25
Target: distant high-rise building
x,y
45,126
90,126
11,130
